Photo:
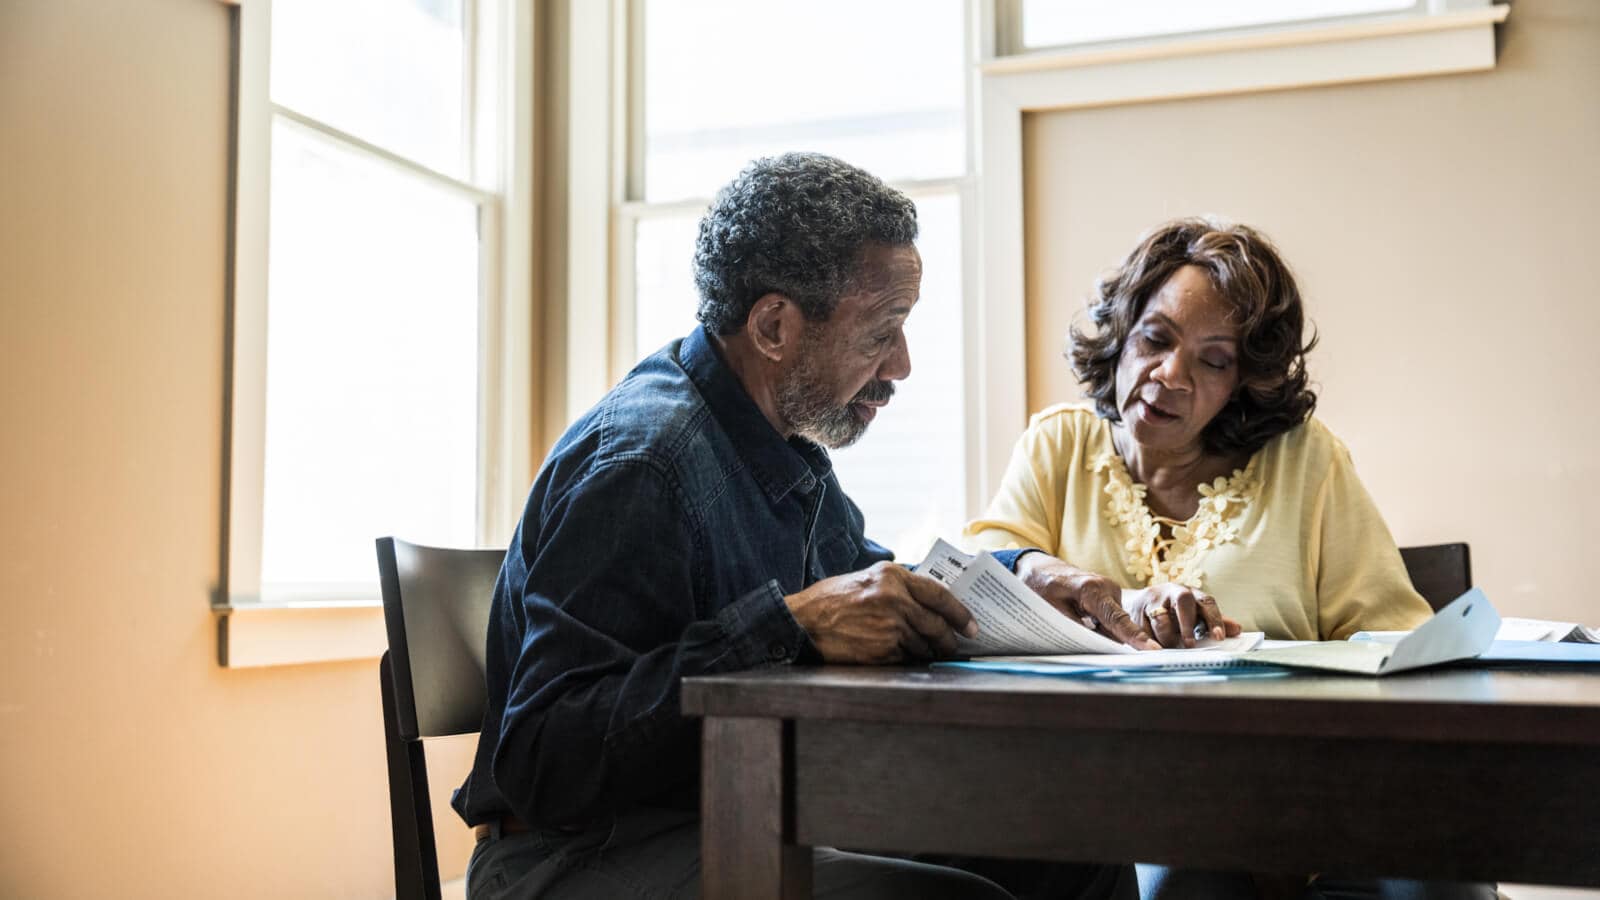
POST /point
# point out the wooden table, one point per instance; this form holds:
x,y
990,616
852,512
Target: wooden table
x,y
1457,774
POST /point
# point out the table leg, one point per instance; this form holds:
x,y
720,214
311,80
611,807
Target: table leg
x,y
747,848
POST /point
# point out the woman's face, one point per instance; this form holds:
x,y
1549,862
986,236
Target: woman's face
x,y
1179,364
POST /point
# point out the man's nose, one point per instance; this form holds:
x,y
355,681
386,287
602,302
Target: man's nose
x,y
897,365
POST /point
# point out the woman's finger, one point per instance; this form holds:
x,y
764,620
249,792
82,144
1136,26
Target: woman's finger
x,y
1186,608
1163,625
1216,622
1101,600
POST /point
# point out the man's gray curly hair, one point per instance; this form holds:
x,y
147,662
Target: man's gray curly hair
x,y
795,225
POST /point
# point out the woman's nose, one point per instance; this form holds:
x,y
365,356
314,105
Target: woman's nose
x,y
1172,372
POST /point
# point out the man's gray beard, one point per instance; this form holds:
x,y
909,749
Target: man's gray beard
x,y
804,402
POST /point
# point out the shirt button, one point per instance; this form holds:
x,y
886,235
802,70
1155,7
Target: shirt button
x,y
777,651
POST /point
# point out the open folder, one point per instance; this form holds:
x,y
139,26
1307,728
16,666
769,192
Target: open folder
x,y
1462,630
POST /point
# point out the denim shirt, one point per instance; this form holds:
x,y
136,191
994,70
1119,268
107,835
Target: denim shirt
x,y
659,541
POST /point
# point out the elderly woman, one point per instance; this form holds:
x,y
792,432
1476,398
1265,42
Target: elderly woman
x,y
1194,493
1196,479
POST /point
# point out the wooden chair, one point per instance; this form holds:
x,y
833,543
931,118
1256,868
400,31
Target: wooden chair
x,y
1439,572
436,611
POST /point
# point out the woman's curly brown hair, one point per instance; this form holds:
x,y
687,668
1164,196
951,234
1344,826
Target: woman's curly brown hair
x,y
1273,394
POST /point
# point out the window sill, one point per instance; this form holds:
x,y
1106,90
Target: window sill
x,y
298,633
1467,24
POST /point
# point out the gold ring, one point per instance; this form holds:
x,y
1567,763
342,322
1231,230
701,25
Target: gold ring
x,y
1158,611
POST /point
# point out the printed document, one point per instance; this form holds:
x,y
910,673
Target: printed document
x,y
1011,618
1014,621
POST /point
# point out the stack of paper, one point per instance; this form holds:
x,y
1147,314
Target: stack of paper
x,y
1514,629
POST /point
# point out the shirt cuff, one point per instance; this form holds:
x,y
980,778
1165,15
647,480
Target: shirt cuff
x,y
1008,558
761,631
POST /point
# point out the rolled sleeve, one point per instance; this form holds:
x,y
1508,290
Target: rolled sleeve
x,y
1008,558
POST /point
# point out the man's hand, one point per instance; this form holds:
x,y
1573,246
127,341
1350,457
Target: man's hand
x,y
1176,615
883,614
1094,601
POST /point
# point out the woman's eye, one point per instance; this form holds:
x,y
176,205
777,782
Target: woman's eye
x,y
1219,364
1154,341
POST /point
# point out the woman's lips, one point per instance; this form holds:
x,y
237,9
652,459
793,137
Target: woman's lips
x,y
1155,415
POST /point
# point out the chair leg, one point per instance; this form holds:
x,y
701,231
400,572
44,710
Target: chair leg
x,y
416,860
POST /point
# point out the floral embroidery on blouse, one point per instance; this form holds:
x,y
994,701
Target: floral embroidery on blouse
x,y
1155,559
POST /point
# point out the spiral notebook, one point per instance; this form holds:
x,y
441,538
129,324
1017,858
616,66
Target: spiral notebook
x,y
1211,654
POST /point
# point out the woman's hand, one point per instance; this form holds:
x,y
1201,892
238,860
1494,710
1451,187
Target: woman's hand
x,y
1176,615
1093,600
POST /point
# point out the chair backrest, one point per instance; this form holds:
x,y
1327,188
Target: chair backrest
x,y
1439,572
436,612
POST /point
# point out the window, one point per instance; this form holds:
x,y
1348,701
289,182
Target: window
x,y
887,93
374,354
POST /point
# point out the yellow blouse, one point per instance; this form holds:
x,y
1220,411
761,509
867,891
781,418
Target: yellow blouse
x,y
1291,545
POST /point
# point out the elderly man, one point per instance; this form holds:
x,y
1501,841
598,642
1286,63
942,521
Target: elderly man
x,y
690,523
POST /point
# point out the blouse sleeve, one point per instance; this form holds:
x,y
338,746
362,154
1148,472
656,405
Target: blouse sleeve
x,y
1026,511
1362,583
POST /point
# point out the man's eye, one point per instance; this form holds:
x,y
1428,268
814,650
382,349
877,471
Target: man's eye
x,y
882,339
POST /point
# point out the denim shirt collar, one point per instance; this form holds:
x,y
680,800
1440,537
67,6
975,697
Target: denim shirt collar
x,y
778,465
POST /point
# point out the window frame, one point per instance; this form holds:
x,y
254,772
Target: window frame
x,y
256,629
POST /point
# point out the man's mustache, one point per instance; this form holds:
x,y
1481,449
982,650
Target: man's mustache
x,y
875,392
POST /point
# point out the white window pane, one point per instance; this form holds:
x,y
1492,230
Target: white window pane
x,y
663,271
372,364
907,472
880,84
387,71
1048,23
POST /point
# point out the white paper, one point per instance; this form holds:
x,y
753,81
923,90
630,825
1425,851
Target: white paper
x,y
1513,628
1011,618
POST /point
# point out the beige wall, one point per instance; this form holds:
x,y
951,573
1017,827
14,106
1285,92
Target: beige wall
x,y
130,764
1443,230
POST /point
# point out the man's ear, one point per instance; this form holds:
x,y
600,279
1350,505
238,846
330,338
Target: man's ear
x,y
774,326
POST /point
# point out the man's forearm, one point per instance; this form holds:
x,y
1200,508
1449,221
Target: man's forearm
x,y
574,751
